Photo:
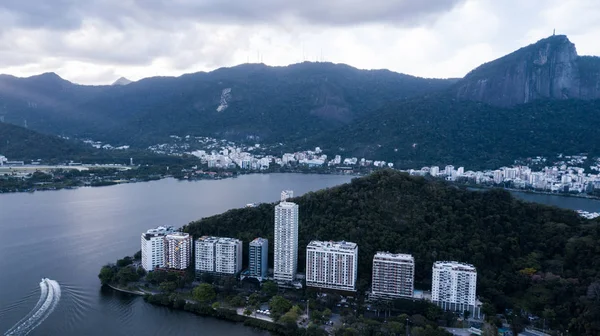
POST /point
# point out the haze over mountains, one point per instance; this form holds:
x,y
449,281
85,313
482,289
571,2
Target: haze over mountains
x,y
530,102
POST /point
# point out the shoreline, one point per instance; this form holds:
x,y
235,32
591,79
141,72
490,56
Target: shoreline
x,y
181,179
138,293
224,314
532,192
316,172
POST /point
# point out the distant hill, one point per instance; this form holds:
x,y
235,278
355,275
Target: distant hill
x,y
122,81
542,259
249,100
18,143
441,130
549,68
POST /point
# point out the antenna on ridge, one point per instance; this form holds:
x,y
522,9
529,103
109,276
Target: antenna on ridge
x,y
553,31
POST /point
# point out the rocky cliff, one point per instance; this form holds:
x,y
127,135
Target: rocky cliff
x,y
549,68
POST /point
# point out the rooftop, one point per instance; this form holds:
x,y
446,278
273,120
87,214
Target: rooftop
x,y
178,235
259,241
212,239
159,231
455,265
399,256
340,245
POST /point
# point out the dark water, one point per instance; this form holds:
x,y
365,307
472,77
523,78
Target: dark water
x,y
68,235
573,203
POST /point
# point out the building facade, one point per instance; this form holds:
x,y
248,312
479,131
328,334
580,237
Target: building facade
x,y
393,275
332,265
285,244
258,258
453,285
218,255
178,250
153,247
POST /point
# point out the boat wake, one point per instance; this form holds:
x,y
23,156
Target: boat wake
x,y
49,297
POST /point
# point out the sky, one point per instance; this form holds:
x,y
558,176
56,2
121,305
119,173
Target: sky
x,y
98,41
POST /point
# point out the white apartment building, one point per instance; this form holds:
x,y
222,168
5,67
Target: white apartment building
x,y
218,255
285,242
453,285
178,250
153,250
332,265
393,275
434,171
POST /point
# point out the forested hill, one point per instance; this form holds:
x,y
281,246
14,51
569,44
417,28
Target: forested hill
x,y
18,143
439,129
543,259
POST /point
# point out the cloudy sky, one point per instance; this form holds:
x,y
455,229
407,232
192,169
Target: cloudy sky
x,y
97,41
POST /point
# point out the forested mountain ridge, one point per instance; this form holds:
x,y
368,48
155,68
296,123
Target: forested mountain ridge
x,y
547,69
269,103
542,259
440,130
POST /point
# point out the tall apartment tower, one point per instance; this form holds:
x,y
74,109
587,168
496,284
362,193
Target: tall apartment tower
x,y
178,250
258,258
285,243
332,265
393,275
453,285
153,248
218,255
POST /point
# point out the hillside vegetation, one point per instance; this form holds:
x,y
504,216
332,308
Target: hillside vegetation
x,y
18,143
542,259
441,130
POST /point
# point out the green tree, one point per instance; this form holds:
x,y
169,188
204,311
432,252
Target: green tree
x,y
124,262
141,271
269,288
126,275
204,293
168,286
216,305
327,313
138,255
107,274
254,299
279,306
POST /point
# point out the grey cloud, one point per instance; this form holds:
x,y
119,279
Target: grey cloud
x,y
68,14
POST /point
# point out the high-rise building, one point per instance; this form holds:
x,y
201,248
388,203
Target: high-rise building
x,y
258,258
178,250
332,265
449,170
218,255
453,285
285,242
434,171
153,249
393,275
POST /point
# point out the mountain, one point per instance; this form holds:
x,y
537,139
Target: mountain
x,y
440,129
122,81
549,68
249,100
542,259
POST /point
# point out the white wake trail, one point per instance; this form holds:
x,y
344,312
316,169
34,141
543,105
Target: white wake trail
x,y
49,297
